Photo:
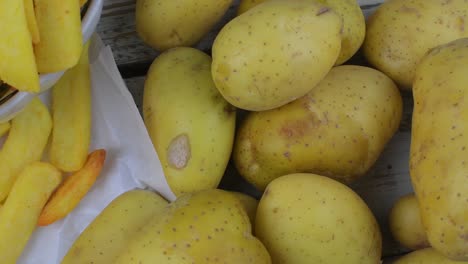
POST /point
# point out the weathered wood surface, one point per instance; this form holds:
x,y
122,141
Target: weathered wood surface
x,y
388,179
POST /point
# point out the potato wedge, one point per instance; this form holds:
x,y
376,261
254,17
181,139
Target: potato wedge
x,y
73,189
19,215
61,42
4,128
25,143
71,113
31,20
17,65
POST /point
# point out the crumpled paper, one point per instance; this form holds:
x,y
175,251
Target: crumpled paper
x,y
131,161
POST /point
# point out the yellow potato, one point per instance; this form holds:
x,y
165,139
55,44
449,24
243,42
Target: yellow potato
x,y
439,145
17,64
354,24
59,23
31,20
4,128
400,32
426,256
19,215
71,113
167,24
405,223
108,234
275,53
190,124
307,218
338,129
25,143
250,205
206,227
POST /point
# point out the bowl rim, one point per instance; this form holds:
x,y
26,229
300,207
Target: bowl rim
x,y
18,101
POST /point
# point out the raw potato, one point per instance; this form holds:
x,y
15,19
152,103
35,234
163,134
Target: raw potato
x,y
167,24
426,256
59,23
306,218
354,24
438,160
338,129
73,189
31,20
71,113
21,210
206,227
4,128
25,143
191,125
250,205
108,234
17,64
275,53
400,32
405,223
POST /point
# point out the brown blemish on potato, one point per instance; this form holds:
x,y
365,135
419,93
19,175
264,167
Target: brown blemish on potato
x,y
299,128
175,34
323,10
461,23
178,152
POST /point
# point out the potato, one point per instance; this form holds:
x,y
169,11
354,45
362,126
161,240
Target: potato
x,y
31,20
354,24
400,32
438,147
59,23
250,204
108,234
17,64
405,223
19,214
308,218
426,256
73,189
25,143
338,129
71,113
275,53
209,226
167,24
4,128
191,125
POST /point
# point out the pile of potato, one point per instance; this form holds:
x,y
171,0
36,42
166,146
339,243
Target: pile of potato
x,y
314,122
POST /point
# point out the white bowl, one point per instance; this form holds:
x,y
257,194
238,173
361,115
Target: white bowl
x,y
17,102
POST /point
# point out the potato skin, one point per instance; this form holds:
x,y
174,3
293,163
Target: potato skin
x,y
307,218
438,166
275,53
426,256
400,32
338,129
189,122
167,24
405,223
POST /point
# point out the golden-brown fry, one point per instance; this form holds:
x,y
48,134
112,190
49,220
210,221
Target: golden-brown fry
x,y
17,64
59,24
73,189
25,143
21,210
31,19
71,113
4,128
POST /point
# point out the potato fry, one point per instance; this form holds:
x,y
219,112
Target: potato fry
x,y
71,113
31,20
73,189
19,215
4,128
17,64
59,23
25,143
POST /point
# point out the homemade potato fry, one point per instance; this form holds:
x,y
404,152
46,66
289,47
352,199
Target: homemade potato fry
x,y
73,189
4,128
71,113
25,143
17,65
31,20
21,210
59,24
